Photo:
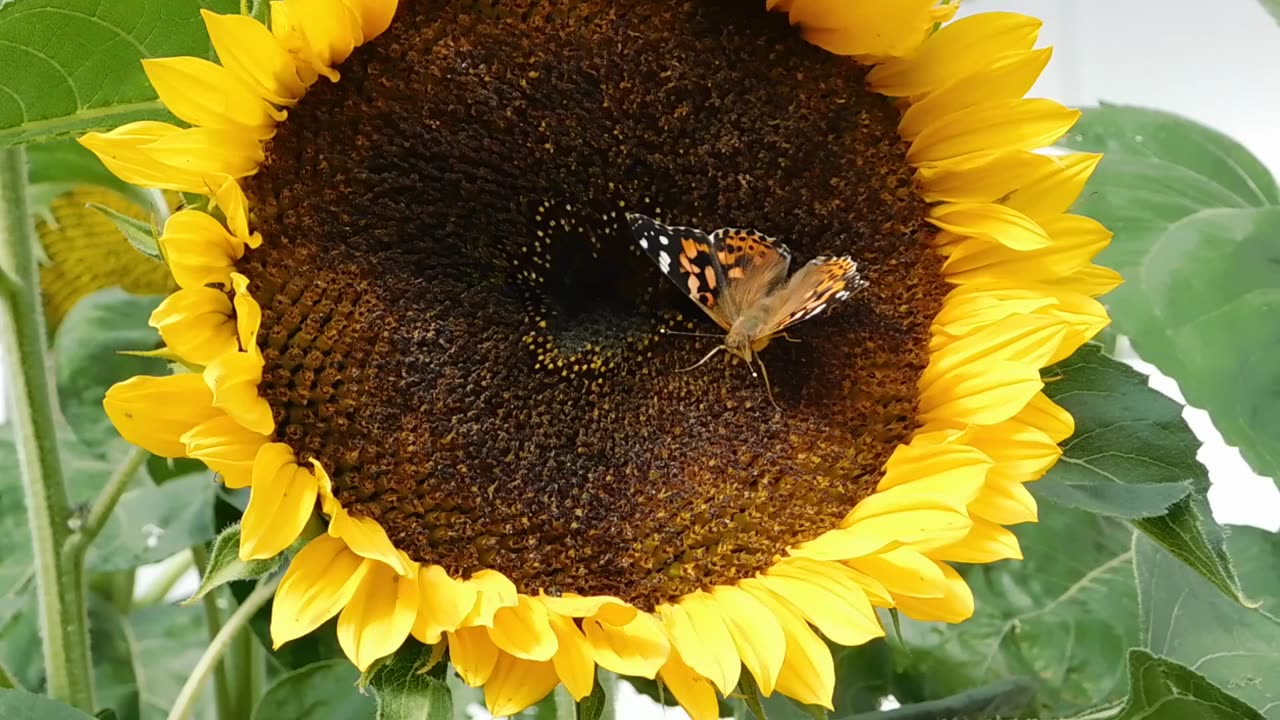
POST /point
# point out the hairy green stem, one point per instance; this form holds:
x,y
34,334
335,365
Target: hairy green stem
x,y
224,699
105,503
60,587
209,661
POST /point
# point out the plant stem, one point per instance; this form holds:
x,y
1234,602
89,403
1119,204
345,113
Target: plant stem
x,y
173,570
60,588
105,503
209,660
225,701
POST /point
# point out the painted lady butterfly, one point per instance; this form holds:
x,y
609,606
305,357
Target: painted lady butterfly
x,y
736,277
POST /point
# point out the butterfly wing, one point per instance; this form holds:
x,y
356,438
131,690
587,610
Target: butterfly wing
x,y
753,265
821,283
687,256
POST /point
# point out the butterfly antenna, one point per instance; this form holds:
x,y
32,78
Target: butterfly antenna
x,y
664,331
704,359
768,389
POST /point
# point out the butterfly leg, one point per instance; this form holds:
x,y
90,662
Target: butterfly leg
x,y
767,388
788,338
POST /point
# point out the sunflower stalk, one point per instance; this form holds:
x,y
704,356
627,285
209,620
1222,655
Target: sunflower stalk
x,y
60,585
218,646
104,504
223,699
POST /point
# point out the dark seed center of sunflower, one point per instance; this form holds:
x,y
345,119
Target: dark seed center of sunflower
x,y
459,327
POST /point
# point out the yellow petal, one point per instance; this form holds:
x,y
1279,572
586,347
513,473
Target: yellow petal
x,y
199,250
376,621
328,29
808,674
208,95
572,661
980,180
196,324
1004,502
994,126
843,579
473,654
1029,339
1056,187
959,49
609,609
984,394
954,605
690,689
319,582
968,309
955,485
367,539
903,571
248,50
986,543
206,153
1091,280
638,648
698,633
955,464
1076,240
443,604
841,544
516,684
493,592
1008,78
990,222
155,412
226,447
122,152
756,634
883,28
228,196
1047,416
375,16
923,529
1021,452
845,618
234,379
281,501
524,630
248,315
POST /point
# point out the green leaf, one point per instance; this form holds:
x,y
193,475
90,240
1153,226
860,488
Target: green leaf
x,y
143,236
87,360
323,691
155,521
1064,615
22,705
1185,620
73,65
226,566
1132,455
167,642
115,684
864,676
410,685
1195,218
1003,698
1164,690
592,706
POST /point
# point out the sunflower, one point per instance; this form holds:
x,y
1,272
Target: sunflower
x,y
415,305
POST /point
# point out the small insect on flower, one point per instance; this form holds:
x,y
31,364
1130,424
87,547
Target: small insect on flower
x,y
736,276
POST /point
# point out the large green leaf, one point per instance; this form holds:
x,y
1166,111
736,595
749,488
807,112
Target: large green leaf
x,y
410,686
22,705
1195,222
73,65
1186,620
1161,689
87,359
322,691
167,641
153,522
1064,615
1133,456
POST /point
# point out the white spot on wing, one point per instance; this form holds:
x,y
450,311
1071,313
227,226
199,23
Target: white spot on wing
x,y
664,239
664,261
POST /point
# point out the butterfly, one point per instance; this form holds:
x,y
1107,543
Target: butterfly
x,y
739,278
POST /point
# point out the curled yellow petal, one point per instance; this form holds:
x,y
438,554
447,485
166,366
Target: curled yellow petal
x,y
996,126
248,50
698,633
694,693
515,684
638,648
123,152
524,630
282,499
808,673
227,447
954,604
473,654
494,591
756,633
573,659
155,412
878,28
198,250
377,619
234,379
366,538
1007,78
985,394
443,603
320,581
208,95
958,49
990,222
987,542
1056,187
983,179
196,323
375,16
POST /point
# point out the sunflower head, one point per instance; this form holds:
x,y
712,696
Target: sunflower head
x,y
420,308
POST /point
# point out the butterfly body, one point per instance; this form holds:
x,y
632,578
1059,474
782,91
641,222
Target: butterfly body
x,y
739,278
